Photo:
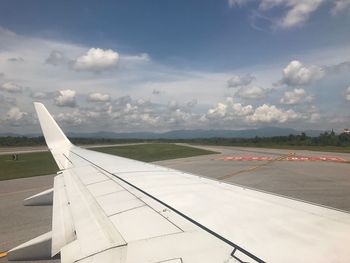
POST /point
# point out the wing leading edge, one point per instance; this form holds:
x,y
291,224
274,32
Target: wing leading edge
x,y
112,209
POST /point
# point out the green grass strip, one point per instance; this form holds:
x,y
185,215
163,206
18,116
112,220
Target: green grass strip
x,y
42,163
27,165
154,151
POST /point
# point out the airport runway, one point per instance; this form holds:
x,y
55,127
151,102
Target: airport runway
x,y
19,223
320,182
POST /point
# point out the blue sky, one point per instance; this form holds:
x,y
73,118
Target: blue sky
x,y
164,65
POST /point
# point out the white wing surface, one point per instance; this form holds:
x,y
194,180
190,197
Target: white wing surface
x,y
112,209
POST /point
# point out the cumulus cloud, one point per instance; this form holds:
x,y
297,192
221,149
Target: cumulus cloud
x,y
18,59
241,84
96,60
296,74
99,97
130,113
296,96
2,75
66,98
229,110
240,80
252,92
15,114
11,87
270,113
347,94
72,118
55,58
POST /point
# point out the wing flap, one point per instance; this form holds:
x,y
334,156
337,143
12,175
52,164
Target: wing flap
x,y
93,229
63,230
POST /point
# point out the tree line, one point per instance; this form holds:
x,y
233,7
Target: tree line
x,y
324,139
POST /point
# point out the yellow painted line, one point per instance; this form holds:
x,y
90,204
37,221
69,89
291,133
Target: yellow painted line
x,y
24,191
3,254
253,168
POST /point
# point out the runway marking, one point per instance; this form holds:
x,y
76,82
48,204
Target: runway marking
x,y
23,191
269,160
3,254
283,158
252,168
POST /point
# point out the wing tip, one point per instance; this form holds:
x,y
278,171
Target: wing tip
x,y
36,103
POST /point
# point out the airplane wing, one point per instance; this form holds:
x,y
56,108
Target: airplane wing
x,y
112,209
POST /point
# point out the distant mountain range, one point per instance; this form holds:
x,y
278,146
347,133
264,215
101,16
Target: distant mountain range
x,y
189,134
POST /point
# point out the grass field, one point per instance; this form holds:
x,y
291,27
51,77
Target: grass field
x,y
42,163
28,165
154,151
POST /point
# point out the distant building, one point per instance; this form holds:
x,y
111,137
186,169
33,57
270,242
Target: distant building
x,y
347,131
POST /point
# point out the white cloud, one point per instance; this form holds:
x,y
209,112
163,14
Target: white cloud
x,y
296,96
66,98
15,114
142,111
340,6
11,87
96,60
347,94
296,74
233,3
72,118
242,87
55,58
252,92
141,58
232,112
229,110
240,80
297,11
270,113
99,97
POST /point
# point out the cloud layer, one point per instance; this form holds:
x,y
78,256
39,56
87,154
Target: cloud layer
x,y
133,92
297,11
